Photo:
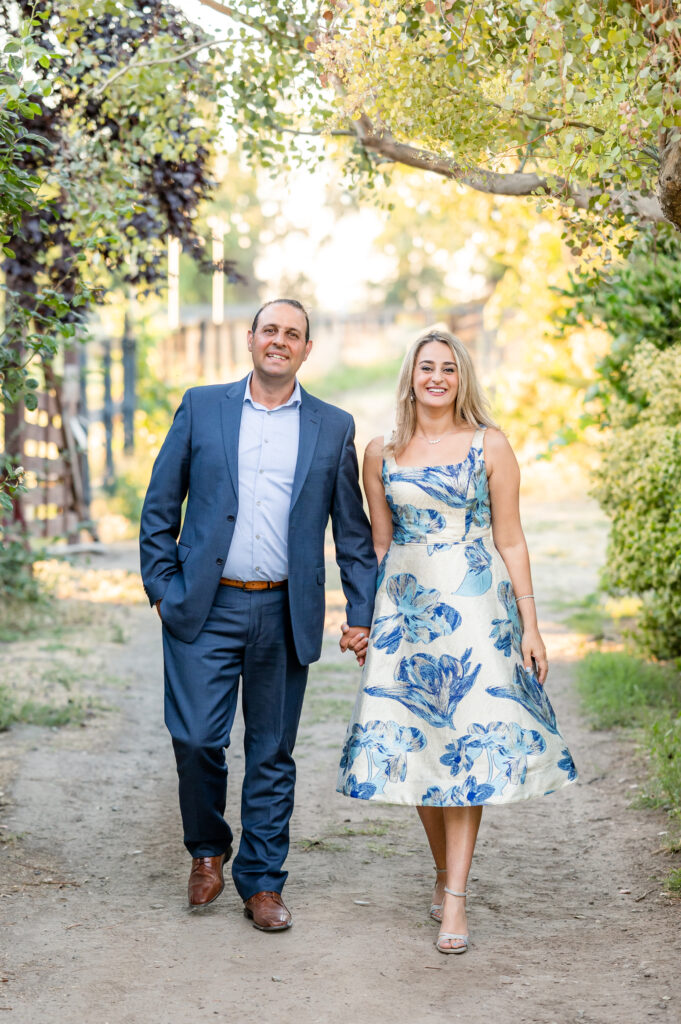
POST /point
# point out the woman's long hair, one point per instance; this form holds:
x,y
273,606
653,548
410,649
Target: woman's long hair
x,y
471,405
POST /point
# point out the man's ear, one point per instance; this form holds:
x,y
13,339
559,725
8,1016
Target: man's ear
x,y
308,349
249,339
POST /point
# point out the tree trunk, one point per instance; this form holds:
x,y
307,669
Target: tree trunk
x,y
670,183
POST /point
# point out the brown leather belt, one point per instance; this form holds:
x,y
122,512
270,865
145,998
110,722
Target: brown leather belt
x,y
253,584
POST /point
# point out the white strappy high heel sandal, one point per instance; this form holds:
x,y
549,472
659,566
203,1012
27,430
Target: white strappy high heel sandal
x,y
451,935
436,908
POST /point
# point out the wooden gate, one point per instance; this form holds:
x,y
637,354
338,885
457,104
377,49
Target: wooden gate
x,y
52,441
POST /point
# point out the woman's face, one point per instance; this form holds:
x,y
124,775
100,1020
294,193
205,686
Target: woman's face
x,y
435,379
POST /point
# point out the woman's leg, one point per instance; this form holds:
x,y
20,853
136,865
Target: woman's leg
x,y
433,821
461,826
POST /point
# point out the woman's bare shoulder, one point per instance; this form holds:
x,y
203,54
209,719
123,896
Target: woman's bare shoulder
x,y
496,441
375,447
498,452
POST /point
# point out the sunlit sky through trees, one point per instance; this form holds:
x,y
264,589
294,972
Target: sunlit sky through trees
x,y
325,237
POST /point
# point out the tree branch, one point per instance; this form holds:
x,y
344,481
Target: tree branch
x,y
646,208
245,19
134,65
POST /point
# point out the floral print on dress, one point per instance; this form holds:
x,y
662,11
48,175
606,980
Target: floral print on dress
x,y
478,578
528,691
478,509
420,615
507,633
470,794
386,745
414,525
429,687
507,747
566,764
448,484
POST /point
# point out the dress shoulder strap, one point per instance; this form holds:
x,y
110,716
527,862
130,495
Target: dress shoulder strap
x,y
478,437
387,438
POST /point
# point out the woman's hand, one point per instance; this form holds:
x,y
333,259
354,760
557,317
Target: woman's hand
x,y
355,639
533,649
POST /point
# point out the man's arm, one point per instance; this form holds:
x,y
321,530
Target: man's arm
x,y
354,547
162,511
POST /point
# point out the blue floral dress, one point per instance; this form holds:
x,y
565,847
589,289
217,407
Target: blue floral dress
x,y
446,714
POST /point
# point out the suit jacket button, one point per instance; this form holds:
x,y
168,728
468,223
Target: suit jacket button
x,y
230,519
219,561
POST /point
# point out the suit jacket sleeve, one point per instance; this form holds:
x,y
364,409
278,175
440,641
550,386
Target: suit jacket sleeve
x,y
162,510
352,536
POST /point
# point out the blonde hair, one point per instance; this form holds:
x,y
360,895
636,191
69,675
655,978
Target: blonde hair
x,y
471,406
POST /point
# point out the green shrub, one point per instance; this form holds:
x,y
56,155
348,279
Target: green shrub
x,y
17,581
639,487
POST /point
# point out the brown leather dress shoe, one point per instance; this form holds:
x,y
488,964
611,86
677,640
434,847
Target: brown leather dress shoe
x,y
268,912
206,881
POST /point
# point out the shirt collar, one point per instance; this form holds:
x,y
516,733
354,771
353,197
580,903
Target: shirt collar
x,y
294,400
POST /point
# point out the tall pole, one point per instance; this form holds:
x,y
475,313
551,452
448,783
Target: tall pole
x,y
173,283
217,227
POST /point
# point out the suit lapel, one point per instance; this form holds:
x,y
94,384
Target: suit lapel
x,y
309,431
231,408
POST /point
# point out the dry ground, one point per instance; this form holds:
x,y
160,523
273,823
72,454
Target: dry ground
x,y
567,918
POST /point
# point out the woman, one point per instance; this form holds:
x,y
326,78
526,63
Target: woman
x,y
451,713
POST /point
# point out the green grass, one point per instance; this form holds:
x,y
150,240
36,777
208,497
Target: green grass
x,y
663,739
618,689
310,845
6,709
44,618
674,881
353,378
326,709
589,617
31,712
372,829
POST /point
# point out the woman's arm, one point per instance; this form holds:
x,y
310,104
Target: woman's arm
x,y
503,476
381,522
379,510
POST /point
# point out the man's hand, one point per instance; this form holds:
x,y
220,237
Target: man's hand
x,y
355,639
157,606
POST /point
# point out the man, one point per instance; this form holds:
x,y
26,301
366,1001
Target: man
x,y
263,465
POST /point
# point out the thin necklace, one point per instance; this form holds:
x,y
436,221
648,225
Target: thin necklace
x,y
437,439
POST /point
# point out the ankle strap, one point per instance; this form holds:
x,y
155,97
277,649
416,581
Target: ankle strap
x,y
452,892
440,871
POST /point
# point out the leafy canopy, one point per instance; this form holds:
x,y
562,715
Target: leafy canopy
x,y
579,101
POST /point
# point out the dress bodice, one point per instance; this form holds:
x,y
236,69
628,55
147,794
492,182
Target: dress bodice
x,y
439,505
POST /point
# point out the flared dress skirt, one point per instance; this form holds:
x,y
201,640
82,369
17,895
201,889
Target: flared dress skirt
x,y
446,714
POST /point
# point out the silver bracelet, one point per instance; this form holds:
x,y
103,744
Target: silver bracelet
x,y
525,597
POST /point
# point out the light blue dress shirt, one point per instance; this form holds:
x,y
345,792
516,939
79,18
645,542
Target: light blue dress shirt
x,y
268,452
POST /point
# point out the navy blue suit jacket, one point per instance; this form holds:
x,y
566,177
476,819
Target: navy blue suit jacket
x,y
198,460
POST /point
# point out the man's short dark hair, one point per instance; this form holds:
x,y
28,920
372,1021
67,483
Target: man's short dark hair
x,y
289,302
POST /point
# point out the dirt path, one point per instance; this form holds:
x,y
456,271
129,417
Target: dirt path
x,y
566,915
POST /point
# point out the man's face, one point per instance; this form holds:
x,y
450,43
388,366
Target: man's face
x,y
278,345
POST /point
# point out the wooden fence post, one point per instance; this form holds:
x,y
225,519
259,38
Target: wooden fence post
x,y
85,424
107,416
129,347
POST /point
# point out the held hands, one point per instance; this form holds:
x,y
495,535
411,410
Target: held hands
x,y
355,639
534,651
